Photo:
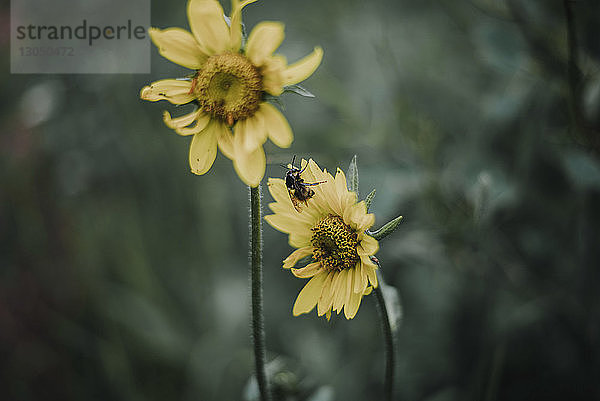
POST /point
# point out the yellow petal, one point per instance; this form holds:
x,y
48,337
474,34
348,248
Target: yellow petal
x,y
369,269
368,246
208,25
287,224
302,69
276,125
176,91
250,167
353,304
272,72
326,298
180,122
360,278
308,271
203,149
309,296
235,37
339,289
264,39
225,141
300,239
249,134
199,122
278,189
179,46
295,256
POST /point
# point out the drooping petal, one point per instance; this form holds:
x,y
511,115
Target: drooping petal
x,y
176,91
208,25
264,39
250,167
225,141
295,256
277,127
249,134
339,287
179,46
368,246
203,149
180,122
369,269
272,72
195,126
326,298
353,305
360,278
308,271
309,296
303,68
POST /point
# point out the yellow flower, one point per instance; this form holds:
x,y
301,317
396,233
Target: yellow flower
x,y
229,86
330,229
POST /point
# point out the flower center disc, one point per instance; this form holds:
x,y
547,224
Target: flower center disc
x,y
335,243
229,87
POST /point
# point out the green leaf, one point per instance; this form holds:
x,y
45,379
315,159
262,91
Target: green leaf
x,y
275,100
298,90
386,229
369,199
352,178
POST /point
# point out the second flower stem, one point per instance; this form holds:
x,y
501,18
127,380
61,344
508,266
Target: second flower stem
x,y
389,339
258,332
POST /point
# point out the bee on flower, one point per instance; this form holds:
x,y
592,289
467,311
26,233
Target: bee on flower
x,y
332,231
228,86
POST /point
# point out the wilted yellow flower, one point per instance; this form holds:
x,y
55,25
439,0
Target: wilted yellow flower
x,y
332,230
229,86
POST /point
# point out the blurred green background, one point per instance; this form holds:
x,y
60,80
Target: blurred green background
x,y
124,277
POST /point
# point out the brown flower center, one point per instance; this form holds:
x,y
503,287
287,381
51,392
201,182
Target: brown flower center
x,y
334,243
229,87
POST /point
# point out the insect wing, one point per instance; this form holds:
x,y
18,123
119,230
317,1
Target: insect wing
x,y
295,201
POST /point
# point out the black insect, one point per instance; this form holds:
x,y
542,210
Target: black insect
x,y
297,188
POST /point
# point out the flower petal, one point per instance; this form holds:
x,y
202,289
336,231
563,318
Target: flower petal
x,y
309,296
276,125
225,141
203,149
264,39
199,122
326,298
369,269
288,225
302,69
179,46
249,134
309,270
353,305
295,256
176,91
360,278
250,167
272,72
208,25
235,28
368,245
339,287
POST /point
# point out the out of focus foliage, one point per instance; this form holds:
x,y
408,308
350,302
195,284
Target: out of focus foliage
x,y
124,277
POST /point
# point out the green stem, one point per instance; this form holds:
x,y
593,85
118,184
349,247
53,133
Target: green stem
x,y
258,332
388,336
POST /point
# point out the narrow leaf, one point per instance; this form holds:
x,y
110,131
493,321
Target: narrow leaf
x,y
298,90
369,199
353,176
386,229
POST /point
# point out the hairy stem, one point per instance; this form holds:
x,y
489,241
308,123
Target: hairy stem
x,y
389,340
258,333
